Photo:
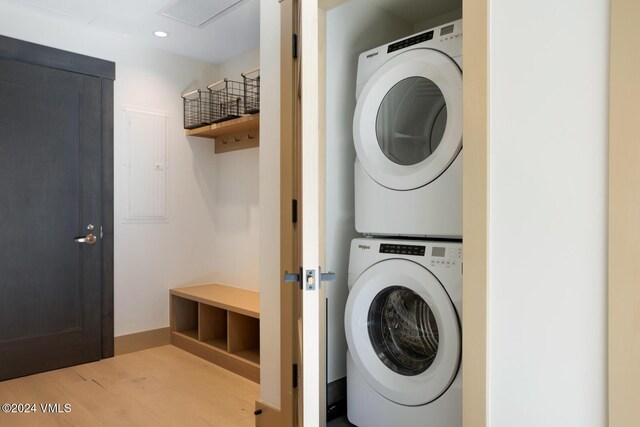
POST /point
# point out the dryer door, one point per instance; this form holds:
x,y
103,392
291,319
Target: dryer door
x,y
407,127
403,332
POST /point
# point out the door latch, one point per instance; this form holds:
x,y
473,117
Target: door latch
x,y
309,277
293,278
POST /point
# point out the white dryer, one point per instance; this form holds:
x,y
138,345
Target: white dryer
x,y
402,323
407,132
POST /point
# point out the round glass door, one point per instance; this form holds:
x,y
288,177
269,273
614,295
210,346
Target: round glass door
x,y
403,332
407,126
411,121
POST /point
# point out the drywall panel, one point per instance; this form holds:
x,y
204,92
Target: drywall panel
x,y
346,39
548,200
233,68
236,188
237,218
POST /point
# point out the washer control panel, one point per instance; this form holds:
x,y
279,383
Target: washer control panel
x,y
449,32
441,255
445,256
416,250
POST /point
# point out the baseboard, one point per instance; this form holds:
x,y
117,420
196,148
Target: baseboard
x,y
141,341
267,415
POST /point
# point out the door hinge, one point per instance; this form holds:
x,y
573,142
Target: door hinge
x,y
295,375
295,46
294,211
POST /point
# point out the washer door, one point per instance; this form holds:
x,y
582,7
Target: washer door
x,y
407,127
403,332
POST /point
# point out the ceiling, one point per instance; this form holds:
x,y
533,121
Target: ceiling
x,y
235,29
415,12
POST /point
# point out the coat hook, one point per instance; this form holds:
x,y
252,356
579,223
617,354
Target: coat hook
x,y
249,136
236,138
224,141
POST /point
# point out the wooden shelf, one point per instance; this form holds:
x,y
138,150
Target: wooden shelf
x,y
219,343
220,324
252,355
236,134
191,333
241,124
226,297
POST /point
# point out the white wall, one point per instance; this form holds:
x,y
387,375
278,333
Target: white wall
x,y
548,154
242,63
152,258
270,202
346,39
237,212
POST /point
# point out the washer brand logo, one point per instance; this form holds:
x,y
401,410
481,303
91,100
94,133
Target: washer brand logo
x,y
371,55
364,247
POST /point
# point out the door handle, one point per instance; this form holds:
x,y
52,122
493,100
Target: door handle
x,y
89,239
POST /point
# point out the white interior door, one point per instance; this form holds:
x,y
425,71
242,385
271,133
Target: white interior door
x,y
312,174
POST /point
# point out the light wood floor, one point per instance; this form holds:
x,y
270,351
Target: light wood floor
x,y
163,386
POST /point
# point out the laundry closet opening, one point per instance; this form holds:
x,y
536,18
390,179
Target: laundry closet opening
x,y
406,138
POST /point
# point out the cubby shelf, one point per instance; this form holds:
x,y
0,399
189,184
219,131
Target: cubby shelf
x,y
220,324
231,135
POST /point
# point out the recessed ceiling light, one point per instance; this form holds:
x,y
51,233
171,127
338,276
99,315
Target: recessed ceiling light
x,y
161,34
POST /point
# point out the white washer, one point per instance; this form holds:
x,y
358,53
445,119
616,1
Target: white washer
x,y
407,132
402,323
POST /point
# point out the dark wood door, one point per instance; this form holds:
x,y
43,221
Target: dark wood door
x,y
50,191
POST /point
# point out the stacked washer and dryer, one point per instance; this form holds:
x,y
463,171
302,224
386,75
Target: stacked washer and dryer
x,y
402,318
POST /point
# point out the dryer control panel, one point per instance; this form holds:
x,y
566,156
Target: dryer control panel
x,y
411,41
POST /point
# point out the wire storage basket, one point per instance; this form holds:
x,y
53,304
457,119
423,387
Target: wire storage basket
x,y
251,88
226,100
197,109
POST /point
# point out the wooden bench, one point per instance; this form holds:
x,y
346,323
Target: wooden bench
x,y
220,324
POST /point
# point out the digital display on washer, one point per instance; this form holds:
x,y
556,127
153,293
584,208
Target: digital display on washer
x,y
410,41
402,249
437,251
446,30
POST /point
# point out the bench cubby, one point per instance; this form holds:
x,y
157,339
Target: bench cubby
x,y
220,324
